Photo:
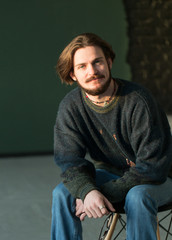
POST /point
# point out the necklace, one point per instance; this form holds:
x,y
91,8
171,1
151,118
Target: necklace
x,y
106,102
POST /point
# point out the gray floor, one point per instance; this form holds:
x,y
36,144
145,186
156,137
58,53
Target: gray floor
x,y
26,184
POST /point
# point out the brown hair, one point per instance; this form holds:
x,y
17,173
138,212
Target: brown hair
x,y
65,61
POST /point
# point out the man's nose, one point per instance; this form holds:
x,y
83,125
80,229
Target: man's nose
x,y
92,69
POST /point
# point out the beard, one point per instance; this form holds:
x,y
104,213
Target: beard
x,y
99,90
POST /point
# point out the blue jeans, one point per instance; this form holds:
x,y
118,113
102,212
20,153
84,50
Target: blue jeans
x,y
141,206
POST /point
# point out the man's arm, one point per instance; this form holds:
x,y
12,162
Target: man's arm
x,y
78,174
151,141
79,177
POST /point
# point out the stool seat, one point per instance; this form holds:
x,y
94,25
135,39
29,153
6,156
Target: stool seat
x,y
165,207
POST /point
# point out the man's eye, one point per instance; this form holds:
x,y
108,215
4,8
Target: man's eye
x,y
81,66
97,61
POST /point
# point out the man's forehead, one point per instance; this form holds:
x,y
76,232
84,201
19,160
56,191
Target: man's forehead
x,y
88,53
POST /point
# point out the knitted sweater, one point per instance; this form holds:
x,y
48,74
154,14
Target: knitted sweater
x,y
129,137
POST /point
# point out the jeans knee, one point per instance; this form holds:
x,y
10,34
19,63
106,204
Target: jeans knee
x,y
138,197
135,195
62,199
62,196
56,192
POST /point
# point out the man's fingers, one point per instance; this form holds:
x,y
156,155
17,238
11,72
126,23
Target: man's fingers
x,y
89,213
79,208
109,206
104,211
97,212
82,216
78,213
93,213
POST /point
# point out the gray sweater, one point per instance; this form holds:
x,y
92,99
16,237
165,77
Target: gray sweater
x,y
130,137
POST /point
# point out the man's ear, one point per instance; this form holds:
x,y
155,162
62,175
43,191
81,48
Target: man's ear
x,y
72,76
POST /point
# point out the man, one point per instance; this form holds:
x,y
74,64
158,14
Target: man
x,y
127,136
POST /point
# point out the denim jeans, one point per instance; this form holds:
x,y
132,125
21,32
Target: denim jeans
x,y
141,206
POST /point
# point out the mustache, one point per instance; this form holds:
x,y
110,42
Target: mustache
x,y
96,76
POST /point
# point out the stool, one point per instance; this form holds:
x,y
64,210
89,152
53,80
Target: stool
x,y
113,218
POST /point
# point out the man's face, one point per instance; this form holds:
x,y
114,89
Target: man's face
x,y
91,70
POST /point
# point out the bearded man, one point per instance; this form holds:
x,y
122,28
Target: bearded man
x,y
125,132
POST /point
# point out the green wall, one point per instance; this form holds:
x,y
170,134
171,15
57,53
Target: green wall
x,y
33,33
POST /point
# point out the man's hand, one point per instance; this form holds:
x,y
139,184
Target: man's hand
x,y
95,205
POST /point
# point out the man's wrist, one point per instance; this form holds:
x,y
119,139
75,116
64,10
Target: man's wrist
x,y
86,190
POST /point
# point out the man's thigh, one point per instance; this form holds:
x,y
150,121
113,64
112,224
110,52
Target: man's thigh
x,y
161,194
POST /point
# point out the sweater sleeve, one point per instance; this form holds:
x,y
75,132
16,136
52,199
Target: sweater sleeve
x,y
78,174
151,141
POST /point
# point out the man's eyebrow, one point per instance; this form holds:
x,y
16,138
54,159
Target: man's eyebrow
x,y
98,58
